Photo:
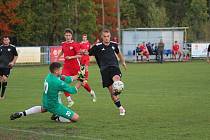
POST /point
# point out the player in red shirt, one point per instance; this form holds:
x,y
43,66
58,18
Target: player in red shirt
x,y
71,66
176,50
144,51
84,61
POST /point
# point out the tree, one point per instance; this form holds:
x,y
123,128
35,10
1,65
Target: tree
x,y
157,16
197,17
8,16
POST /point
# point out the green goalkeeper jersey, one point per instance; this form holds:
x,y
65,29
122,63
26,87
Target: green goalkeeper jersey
x,y
52,86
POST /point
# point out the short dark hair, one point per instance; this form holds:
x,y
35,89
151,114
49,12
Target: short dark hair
x,y
105,31
5,36
68,30
53,66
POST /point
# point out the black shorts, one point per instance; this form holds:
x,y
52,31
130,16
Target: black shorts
x,y
107,75
5,72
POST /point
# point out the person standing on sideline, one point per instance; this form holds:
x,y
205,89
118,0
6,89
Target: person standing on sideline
x,y
85,61
107,61
8,58
208,53
160,50
53,84
71,66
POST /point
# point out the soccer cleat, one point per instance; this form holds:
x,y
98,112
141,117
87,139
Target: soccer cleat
x,y
54,117
15,116
71,103
2,98
93,95
122,111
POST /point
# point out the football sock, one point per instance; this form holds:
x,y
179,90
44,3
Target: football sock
x,y
117,103
33,110
87,87
62,119
4,86
86,74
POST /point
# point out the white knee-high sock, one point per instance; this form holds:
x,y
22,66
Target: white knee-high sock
x,y
33,110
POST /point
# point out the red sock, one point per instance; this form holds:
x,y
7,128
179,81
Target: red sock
x,y
67,94
87,87
86,74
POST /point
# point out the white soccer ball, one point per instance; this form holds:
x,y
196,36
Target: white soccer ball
x,y
118,86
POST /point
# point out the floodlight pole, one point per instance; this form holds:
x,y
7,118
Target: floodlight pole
x,y
102,8
118,20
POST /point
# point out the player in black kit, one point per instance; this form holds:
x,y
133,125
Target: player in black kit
x,y
105,54
8,57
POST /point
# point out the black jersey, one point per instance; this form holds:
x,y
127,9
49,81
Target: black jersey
x,y
105,55
209,48
7,54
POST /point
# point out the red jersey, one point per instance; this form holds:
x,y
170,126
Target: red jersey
x,y
70,49
142,47
85,46
175,47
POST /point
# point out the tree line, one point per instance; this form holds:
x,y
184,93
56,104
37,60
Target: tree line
x,y
42,22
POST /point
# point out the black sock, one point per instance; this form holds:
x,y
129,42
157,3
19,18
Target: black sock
x,y
24,113
4,86
117,103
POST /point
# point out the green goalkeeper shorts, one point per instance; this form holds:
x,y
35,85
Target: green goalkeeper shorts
x,y
63,111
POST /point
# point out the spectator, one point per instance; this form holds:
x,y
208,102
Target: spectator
x,y
176,50
144,51
160,50
138,53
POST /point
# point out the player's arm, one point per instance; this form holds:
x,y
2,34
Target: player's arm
x,y
91,51
121,57
12,63
73,57
70,89
67,79
60,54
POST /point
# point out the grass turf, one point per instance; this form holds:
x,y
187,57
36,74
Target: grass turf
x,y
169,101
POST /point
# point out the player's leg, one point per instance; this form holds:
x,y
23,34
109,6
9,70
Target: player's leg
x,y
67,72
30,111
180,54
147,55
108,77
65,114
85,83
5,75
173,54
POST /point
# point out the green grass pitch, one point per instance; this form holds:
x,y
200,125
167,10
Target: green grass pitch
x,y
169,101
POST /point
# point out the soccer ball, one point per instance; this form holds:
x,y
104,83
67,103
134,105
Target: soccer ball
x,y
118,86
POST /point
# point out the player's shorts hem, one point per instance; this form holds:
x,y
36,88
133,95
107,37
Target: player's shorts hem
x,y
107,75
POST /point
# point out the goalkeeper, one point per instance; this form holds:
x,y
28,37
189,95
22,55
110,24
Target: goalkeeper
x,y
53,84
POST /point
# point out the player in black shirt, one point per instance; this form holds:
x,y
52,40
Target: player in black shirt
x,y
8,57
105,54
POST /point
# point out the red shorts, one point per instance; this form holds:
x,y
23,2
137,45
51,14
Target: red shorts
x,y
69,70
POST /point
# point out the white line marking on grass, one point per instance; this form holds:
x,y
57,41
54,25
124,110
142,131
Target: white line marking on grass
x,y
47,134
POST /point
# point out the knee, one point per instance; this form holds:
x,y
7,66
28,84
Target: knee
x,y
75,118
116,78
4,79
